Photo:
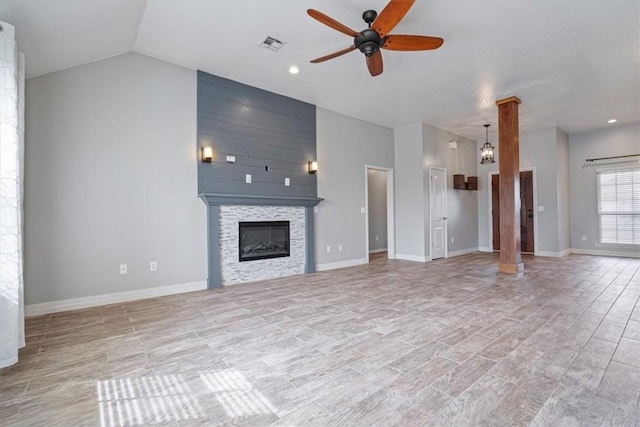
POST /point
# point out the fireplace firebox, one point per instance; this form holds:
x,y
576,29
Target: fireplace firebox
x,y
263,239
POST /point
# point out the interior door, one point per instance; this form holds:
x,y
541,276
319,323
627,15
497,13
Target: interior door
x,y
526,212
495,211
438,198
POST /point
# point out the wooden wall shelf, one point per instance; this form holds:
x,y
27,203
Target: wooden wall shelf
x,y
459,182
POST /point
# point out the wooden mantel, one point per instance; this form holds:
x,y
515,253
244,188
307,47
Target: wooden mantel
x,y
509,186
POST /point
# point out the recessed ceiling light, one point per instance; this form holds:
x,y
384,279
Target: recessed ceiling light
x,y
612,121
294,70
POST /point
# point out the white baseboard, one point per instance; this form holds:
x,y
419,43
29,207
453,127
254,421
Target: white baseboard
x,y
462,252
375,251
113,298
416,258
485,249
604,253
554,254
340,264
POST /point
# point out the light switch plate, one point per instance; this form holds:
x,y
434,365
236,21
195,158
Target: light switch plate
x,y
247,179
231,159
540,208
363,209
287,182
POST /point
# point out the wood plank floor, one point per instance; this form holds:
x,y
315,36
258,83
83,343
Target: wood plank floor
x,y
446,343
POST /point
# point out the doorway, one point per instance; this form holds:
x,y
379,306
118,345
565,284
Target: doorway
x,y
377,207
438,212
527,226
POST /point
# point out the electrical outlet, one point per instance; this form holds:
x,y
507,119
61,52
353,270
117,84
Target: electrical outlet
x,y
287,182
363,209
328,249
377,237
339,248
247,179
584,238
153,266
453,240
123,268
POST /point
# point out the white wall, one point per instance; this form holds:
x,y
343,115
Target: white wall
x,y
344,146
410,193
417,147
617,140
462,205
111,179
377,204
564,209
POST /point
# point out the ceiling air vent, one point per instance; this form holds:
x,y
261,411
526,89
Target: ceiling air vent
x,y
272,43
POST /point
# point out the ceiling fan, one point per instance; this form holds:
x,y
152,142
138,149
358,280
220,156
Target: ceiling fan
x,y
370,40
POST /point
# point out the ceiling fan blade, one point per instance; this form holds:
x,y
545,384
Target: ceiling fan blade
x,y
374,63
392,13
333,55
330,22
403,42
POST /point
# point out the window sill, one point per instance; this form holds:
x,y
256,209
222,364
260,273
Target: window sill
x,y
629,246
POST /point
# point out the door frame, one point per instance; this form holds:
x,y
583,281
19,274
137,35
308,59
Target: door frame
x,y
446,209
391,221
535,207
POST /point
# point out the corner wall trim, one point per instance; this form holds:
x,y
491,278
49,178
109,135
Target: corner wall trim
x,y
341,264
604,253
462,252
113,298
416,258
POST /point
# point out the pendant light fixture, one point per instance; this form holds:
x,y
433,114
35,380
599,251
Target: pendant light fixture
x,y
487,149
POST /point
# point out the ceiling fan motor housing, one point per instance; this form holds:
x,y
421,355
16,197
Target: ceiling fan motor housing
x,y
368,41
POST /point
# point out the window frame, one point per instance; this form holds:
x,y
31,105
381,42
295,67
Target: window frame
x,y
600,243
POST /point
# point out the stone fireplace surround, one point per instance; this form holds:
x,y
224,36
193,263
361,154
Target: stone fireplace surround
x,y
224,211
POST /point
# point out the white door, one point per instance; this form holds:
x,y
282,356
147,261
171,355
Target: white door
x,y
438,198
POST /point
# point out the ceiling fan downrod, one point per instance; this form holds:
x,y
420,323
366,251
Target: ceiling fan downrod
x,y
368,41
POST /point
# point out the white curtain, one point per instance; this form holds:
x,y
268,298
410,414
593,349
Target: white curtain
x,y
11,196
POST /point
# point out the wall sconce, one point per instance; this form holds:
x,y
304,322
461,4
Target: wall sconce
x,y
207,154
313,167
487,150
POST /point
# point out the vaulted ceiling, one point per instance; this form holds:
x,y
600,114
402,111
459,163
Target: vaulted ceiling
x,y
575,64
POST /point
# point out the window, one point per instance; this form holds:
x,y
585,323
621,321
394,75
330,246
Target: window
x,y
619,206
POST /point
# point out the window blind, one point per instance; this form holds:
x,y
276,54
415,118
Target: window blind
x,y
619,206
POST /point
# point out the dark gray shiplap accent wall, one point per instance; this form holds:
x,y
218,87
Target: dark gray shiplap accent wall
x,y
261,129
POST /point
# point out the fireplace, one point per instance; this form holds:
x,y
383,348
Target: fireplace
x,y
263,239
226,212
